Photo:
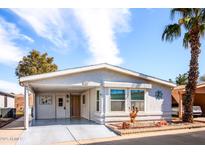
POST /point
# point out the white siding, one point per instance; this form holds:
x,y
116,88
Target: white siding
x,y
45,111
1,101
85,107
161,106
94,76
92,103
10,102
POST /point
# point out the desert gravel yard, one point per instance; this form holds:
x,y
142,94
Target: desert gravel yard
x,y
152,126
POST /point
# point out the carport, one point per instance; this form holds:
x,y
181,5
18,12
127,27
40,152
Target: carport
x,y
199,99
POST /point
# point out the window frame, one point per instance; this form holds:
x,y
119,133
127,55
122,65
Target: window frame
x,y
131,100
117,100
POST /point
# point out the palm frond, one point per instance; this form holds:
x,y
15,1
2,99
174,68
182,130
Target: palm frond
x,y
186,40
197,12
189,22
183,12
171,32
202,29
202,15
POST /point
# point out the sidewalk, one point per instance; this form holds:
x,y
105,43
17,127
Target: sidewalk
x,y
11,133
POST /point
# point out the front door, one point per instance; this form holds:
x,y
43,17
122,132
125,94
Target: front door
x,y
75,106
60,107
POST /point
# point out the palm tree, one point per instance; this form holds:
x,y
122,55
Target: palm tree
x,y
193,22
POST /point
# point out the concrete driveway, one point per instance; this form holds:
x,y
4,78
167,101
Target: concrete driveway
x,y
57,131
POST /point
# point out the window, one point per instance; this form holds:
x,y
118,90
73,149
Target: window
x,y
83,99
97,100
117,100
60,102
137,99
45,100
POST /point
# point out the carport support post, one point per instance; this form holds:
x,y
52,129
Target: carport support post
x,y
102,104
26,107
180,105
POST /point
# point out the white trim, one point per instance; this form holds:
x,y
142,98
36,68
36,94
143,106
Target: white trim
x,y
26,107
94,67
34,106
83,84
126,85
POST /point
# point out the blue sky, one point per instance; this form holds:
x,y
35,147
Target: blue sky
x,y
130,38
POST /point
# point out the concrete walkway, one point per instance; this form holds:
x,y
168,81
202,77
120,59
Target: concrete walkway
x,y
58,131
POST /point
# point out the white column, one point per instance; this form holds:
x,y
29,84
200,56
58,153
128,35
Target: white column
x,y
180,105
127,100
102,105
34,105
146,95
26,107
102,95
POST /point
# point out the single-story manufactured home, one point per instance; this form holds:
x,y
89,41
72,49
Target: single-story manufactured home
x,y
7,100
101,93
7,105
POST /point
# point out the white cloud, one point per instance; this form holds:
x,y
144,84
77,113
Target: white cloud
x,y
47,23
10,52
10,87
27,38
100,27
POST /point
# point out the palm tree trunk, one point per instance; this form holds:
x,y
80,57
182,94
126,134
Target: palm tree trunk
x,y
193,75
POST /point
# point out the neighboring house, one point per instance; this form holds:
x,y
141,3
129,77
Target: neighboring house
x,y
6,100
199,99
19,102
101,93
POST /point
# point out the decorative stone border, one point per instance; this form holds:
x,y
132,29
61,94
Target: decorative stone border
x,y
154,129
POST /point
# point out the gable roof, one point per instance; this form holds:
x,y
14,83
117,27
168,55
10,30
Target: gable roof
x,y
7,94
94,67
